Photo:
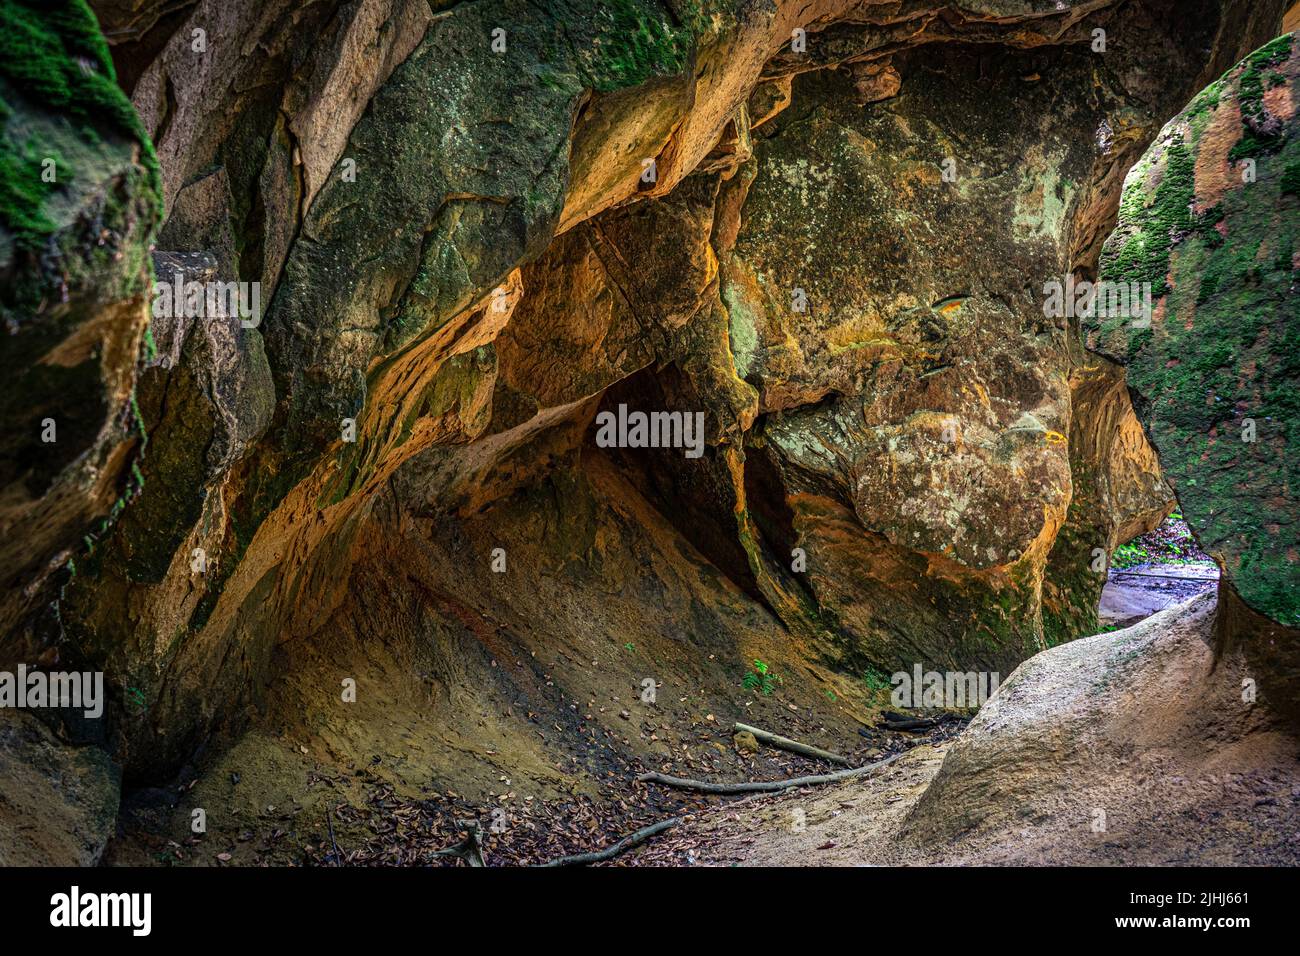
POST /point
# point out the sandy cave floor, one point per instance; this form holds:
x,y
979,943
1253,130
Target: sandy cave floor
x,y
350,791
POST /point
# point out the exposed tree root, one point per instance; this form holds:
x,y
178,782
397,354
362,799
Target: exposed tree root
x,y
794,746
763,785
629,841
469,849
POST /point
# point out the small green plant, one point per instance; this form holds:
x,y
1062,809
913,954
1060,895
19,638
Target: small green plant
x,y
761,678
629,646
1170,543
875,680
1128,555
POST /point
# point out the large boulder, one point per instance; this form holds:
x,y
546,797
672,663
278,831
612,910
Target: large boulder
x,y
1092,753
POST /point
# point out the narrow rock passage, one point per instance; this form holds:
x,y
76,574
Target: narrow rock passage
x,y
419,420
1138,592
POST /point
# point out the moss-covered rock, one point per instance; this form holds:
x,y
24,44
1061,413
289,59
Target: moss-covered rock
x,y
79,203
1211,218
1215,230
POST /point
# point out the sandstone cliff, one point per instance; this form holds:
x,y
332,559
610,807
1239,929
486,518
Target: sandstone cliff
x,y
473,227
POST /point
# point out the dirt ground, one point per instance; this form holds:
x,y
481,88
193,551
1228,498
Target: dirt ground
x,y
517,700
1137,592
1202,787
526,718
1206,780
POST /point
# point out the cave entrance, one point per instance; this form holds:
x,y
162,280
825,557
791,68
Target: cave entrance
x,y
1154,571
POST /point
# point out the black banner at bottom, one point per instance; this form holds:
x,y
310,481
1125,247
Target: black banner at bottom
x,y
337,905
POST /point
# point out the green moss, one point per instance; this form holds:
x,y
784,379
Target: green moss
x,y
23,191
636,40
89,229
1225,361
1144,256
138,420
53,53
1253,145
1256,76
1291,179
1250,92
1207,99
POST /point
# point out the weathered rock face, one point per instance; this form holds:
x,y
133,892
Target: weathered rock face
x,y
913,379
1211,221
1117,494
466,251
78,209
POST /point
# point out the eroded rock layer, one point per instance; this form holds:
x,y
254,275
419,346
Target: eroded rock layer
x,y
475,227
78,209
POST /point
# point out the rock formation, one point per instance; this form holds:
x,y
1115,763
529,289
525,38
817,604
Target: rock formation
x,y
80,207
1211,219
473,227
1200,700
1133,748
1102,751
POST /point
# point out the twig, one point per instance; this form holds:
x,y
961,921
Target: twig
x,y
909,723
629,841
763,785
329,818
794,746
